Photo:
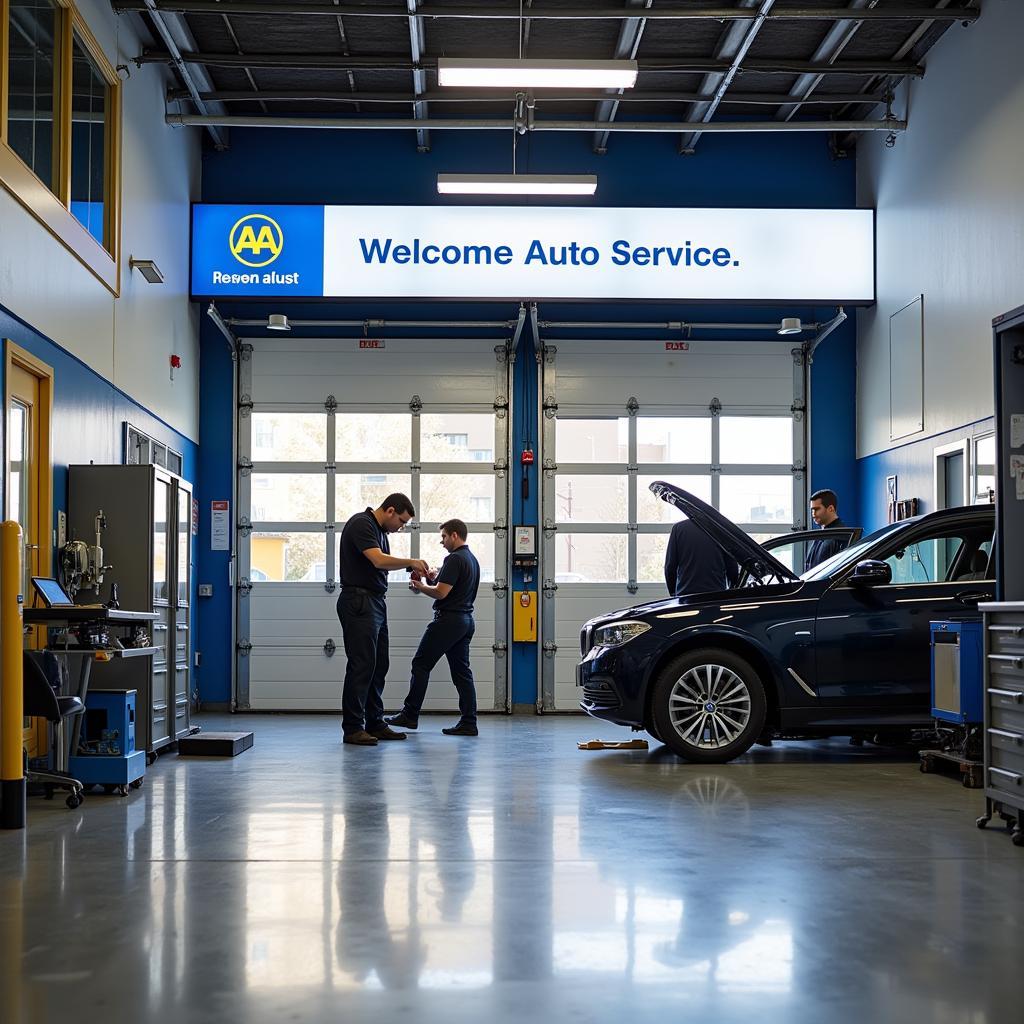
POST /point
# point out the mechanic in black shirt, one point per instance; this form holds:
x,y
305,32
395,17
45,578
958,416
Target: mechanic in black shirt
x,y
365,558
824,511
695,564
449,634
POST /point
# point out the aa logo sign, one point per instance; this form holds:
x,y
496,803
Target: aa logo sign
x,y
256,240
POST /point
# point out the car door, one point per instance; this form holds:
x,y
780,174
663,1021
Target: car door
x,y
872,642
791,548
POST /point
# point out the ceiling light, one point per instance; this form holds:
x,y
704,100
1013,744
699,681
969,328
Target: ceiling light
x,y
537,74
517,184
278,322
148,269
790,325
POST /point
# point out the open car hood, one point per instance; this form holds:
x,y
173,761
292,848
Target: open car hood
x,y
752,558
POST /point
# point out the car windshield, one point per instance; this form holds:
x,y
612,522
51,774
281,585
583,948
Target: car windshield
x,y
850,555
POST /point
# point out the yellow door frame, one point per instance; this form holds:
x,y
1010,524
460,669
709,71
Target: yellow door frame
x,y
40,484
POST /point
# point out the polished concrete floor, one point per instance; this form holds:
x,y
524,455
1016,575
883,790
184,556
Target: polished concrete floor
x,y
512,878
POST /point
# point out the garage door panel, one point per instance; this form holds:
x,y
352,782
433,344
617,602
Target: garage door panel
x,y
613,399
601,373
292,678
456,440
374,378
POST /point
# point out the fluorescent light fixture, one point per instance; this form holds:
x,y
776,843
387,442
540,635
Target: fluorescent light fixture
x,y
790,325
278,322
517,184
537,74
148,269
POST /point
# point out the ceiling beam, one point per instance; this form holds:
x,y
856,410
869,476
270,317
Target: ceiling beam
x,y
175,35
459,96
591,13
677,65
630,33
838,37
503,124
732,48
417,46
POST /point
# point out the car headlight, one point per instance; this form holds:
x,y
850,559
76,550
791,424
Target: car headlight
x,y
615,634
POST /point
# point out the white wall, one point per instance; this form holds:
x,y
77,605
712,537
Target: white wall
x,y
128,340
950,201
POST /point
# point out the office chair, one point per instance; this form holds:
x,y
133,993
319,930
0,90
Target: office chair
x,y
42,702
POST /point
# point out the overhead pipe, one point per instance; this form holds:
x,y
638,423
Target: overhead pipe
x,y
500,96
380,325
232,7
660,65
887,124
670,325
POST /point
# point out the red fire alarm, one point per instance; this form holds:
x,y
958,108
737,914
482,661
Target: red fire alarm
x,y
175,362
527,457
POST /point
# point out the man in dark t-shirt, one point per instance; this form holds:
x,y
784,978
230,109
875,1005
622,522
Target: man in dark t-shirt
x,y
449,634
364,558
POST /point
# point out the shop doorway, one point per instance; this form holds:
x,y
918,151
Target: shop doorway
x,y
28,404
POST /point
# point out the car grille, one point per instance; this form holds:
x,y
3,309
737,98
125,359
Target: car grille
x,y
600,697
585,640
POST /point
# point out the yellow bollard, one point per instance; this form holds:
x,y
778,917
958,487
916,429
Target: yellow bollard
x,y
12,704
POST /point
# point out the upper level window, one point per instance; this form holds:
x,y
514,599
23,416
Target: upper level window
x,y
89,108
59,120
33,36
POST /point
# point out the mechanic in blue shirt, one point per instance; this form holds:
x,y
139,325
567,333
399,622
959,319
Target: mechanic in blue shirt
x,y
449,634
364,560
824,512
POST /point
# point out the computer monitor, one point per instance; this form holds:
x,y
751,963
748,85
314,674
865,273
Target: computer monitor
x,y
52,593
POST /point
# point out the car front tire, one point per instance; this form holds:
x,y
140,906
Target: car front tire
x,y
708,706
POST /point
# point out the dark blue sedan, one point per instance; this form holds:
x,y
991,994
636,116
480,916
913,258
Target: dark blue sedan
x,y
842,649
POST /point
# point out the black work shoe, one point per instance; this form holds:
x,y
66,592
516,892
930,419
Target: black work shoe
x,y
387,733
403,720
462,729
361,738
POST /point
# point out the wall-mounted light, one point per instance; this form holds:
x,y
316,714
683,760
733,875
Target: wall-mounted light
x,y
790,325
536,74
517,184
148,269
278,322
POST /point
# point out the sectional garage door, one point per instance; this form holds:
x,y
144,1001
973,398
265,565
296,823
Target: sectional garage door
x,y
724,420
327,428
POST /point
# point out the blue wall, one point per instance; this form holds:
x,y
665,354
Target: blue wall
x,y
88,416
834,419
914,467
342,167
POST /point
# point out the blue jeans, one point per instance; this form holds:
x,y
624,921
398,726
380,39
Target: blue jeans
x,y
448,636
364,626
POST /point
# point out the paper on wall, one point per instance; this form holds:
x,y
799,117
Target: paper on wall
x,y
1017,472
1017,430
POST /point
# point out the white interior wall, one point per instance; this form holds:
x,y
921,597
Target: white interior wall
x,y
950,223
128,340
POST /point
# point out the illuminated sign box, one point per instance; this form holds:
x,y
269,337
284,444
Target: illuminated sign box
x,y
511,253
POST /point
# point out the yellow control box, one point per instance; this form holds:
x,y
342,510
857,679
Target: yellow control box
x,y
524,616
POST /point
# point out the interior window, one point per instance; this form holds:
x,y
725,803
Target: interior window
x,y
954,554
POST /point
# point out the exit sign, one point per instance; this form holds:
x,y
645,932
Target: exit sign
x,y
372,343
677,346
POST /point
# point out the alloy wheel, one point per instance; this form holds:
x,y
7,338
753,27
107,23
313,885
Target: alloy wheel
x,y
709,706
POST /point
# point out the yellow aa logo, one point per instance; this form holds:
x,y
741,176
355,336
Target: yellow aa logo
x,y
256,240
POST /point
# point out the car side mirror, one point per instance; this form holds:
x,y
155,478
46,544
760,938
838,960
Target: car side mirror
x,y
871,573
